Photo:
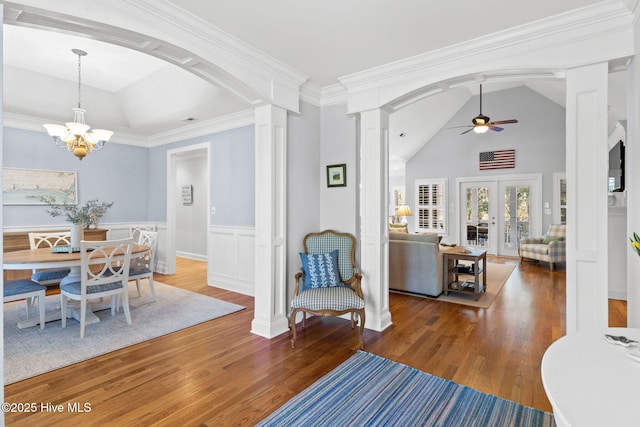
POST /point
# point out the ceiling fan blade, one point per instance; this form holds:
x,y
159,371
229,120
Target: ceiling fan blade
x,y
456,127
496,128
467,131
503,122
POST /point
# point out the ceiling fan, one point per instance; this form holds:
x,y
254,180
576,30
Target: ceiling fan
x,y
481,123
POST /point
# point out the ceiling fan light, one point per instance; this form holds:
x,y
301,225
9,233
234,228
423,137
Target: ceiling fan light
x,y
480,128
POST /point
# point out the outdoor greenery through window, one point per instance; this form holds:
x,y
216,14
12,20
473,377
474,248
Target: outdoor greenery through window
x,y
516,215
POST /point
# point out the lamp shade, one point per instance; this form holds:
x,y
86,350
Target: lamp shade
x,y
101,135
57,130
404,210
77,128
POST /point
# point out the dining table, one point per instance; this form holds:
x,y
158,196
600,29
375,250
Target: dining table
x,y
42,258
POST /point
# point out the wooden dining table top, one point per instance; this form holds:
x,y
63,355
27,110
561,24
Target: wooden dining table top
x,y
46,258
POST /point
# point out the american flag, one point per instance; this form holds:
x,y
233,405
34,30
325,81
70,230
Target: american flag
x,y
501,159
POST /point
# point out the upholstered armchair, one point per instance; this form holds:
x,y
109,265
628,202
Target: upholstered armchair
x,y
551,248
329,283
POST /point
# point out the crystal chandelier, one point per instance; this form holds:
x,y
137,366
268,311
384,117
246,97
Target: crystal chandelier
x,y
75,135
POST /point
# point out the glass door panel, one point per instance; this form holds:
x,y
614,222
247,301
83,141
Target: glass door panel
x,y
516,218
478,219
518,214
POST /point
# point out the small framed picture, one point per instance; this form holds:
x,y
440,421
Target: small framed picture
x,y
187,194
337,175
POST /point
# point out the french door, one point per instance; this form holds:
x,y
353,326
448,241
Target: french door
x,y
495,214
478,215
518,217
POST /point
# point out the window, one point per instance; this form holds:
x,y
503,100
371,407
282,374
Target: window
x,y
559,198
431,203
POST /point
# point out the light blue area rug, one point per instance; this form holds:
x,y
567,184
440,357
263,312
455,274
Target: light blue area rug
x,y
32,351
368,390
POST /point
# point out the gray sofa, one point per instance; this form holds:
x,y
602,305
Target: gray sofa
x,y
415,263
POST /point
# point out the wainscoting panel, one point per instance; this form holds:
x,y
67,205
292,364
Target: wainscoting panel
x,y
232,258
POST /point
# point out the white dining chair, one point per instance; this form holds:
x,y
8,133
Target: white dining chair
x,y
28,290
135,229
104,271
49,276
142,267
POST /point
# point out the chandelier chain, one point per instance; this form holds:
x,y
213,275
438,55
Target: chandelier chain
x,y
79,79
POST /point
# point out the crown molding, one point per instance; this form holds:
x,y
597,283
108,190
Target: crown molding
x,y
161,29
586,22
265,65
334,95
312,93
208,127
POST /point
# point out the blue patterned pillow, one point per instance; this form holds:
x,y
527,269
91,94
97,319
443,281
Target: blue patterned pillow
x,y
320,271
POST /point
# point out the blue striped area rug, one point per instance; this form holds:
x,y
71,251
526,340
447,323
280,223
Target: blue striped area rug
x,y
368,390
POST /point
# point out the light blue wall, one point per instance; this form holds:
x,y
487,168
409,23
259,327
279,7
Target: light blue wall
x,y
303,182
118,173
135,178
232,177
339,138
538,139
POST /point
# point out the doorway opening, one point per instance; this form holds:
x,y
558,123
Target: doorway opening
x,y
496,212
175,192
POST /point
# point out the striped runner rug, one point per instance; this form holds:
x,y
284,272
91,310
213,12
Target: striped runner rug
x,y
368,390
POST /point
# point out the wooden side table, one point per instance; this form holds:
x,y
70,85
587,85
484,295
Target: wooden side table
x,y
452,275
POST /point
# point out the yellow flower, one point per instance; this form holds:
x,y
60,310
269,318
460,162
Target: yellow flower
x,y
635,243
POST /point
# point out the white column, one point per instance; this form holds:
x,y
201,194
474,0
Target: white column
x,y
632,184
374,202
587,171
270,312
1,244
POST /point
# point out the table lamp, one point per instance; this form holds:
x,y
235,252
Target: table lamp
x,y
403,211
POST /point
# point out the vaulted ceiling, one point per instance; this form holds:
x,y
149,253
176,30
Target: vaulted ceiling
x,y
141,97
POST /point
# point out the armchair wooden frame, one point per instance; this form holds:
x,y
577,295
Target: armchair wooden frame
x,y
354,282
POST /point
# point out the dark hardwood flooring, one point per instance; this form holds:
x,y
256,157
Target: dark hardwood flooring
x,y
218,373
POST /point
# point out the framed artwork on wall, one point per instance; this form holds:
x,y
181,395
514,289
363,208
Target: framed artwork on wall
x,y
337,175
187,194
27,186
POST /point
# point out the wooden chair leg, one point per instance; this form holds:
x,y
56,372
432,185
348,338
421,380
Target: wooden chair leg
x,y
362,319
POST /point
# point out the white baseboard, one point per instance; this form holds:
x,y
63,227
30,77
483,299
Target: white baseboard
x,y
619,295
198,257
229,284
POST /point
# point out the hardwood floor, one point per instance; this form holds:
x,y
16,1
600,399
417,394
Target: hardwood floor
x,y
218,373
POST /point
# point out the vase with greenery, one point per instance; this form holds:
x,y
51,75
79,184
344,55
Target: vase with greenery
x,y
80,216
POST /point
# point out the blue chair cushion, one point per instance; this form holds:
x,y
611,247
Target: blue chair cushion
x,y
76,287
17,287
320,270
138,271
338,298
52,274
